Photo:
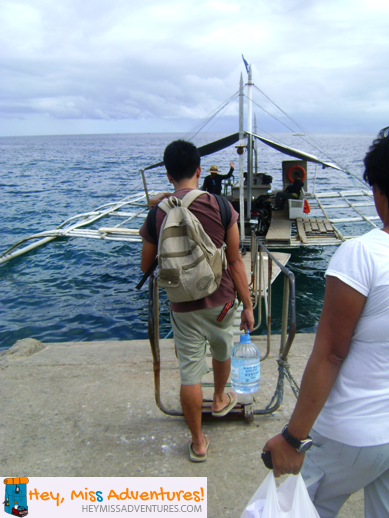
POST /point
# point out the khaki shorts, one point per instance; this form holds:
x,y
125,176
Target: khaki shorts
x,y
192,331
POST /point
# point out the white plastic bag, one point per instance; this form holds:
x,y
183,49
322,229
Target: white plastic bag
x,y
290,500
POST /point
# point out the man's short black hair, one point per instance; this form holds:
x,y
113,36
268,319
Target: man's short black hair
x,y
377,162
181,159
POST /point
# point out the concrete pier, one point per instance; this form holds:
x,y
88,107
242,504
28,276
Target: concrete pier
x,y
87,409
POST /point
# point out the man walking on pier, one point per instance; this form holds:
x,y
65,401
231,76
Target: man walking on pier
x,y
208,319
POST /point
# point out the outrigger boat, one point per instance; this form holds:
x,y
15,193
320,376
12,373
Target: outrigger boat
x,y
288,228
261,229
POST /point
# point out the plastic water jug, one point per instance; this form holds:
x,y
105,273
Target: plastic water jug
x,y
245,366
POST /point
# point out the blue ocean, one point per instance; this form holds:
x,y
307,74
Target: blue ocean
x,y
82,289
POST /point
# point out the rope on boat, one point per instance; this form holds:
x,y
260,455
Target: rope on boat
x,y
312,140
284,372
199,126
279,108
221,112
271,115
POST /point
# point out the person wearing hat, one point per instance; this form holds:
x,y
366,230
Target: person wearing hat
x,y
213,182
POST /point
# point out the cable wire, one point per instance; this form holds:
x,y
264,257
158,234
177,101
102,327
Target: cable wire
x,y
200,125
312,141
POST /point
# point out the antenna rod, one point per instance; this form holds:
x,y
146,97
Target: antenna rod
x,y
255,145
249,140
241,162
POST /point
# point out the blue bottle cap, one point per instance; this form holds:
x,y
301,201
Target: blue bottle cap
x,y
245,339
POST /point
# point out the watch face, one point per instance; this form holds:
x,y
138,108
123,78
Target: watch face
x,y
305,445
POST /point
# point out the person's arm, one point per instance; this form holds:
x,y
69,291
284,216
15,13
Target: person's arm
x,y
229,174
342,308
159,197
239,277
149,253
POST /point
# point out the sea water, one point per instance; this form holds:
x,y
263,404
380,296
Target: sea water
x,y
84,289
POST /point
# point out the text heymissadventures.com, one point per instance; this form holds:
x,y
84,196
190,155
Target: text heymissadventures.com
x,y
155,508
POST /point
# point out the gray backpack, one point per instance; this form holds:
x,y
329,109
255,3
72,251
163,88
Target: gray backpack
x,y
190,265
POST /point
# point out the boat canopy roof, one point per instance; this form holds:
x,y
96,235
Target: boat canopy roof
x,y
208,149
295,152
218,145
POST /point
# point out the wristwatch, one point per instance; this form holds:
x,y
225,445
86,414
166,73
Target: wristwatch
x,y
300,446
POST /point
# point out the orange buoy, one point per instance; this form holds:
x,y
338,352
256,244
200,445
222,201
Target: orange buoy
x,y
296,168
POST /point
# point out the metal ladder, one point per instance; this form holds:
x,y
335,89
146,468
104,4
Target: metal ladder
x,y
246,406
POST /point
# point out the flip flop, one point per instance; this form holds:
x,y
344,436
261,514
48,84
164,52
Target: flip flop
x,y
195,457
224,411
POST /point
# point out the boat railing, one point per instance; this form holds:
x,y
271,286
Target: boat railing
x,y
260,290
228,186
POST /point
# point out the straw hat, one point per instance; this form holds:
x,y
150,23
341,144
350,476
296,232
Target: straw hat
x,y
213,169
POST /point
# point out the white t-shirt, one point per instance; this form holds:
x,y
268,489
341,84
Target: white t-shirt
x,y
357,410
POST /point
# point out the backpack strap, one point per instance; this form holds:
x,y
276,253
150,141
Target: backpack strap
x,y
224,206
225,210
151,221
191,196
147,274
169,203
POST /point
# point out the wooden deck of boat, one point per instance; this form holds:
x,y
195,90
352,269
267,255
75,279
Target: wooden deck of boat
x,y
311,229
280,229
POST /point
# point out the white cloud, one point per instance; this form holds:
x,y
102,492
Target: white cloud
x,y
126,60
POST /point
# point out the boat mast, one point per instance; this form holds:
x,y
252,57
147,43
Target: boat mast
x,y
255,145
241,161
249,140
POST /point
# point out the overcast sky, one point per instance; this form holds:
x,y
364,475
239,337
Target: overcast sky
x,y
118,66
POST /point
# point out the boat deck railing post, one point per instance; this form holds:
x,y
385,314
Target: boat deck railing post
x,y
142,171
269,297
256,281
153,328
288,315
285,308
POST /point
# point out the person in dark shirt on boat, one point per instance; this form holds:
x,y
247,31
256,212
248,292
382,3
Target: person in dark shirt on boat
x,y
291,192
213,182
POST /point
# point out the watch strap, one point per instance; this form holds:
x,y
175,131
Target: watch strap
x,y
291,439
